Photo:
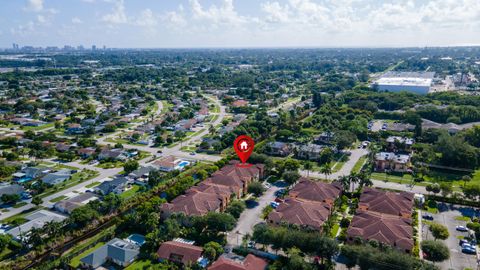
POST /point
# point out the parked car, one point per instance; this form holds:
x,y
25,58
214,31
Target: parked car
x,y
427,216
470,250
267,185
192,153
251,244
461,228
462,241
274,204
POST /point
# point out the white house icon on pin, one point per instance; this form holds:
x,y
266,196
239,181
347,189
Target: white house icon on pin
x,y
244,145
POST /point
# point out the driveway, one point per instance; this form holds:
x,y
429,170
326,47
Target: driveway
x,y
250,217
446,216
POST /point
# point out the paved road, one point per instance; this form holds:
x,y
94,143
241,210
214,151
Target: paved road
x,y
356,154
250,217
446,216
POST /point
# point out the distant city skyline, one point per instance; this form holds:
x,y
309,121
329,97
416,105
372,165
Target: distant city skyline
x,y
239,23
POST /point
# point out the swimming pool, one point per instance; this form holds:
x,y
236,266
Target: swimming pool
x,y
183,164
24,179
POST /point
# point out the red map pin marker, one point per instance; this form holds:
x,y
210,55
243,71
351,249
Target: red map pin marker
x,y
243,146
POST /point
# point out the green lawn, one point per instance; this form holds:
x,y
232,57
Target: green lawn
x,y
129,193
358,166
75,179
48,125
94,184
110,165
397,178
57,199
20,204
5,253
20,217
75,261
140,265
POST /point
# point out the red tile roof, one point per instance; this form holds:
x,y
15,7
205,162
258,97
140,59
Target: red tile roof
x,y
251,262
240,103
387,202
307,189
194,203
388,229
179,252
310,214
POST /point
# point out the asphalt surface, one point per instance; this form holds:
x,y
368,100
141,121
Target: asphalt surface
x,y
250,217
446,216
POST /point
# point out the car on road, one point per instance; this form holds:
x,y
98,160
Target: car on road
x,y
427,216
93,162
461,228
267,185
192,153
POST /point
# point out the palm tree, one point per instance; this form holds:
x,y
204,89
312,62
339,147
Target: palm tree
x,y
364,179
326,169
353,177
345,181
308,166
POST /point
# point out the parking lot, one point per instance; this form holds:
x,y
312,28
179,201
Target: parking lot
x,y
449,216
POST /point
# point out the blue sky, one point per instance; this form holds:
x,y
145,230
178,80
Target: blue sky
x,y
240,23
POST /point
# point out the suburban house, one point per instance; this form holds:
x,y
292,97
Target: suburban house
x,y
392,162
10,189
117,186
397,204
116,154
239,103
235,262
35,220
170,163
35,172
57,177
181,251
140,175
310,151
388,229
121,252
68,205
396,143
325,138
278,149
308,190
86,152
305,214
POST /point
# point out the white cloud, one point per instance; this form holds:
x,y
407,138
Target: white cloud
x,y
76,20
34,5
117,16
146,19
41,19
216,15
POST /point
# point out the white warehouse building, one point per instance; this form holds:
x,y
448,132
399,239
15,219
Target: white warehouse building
x,y
417,82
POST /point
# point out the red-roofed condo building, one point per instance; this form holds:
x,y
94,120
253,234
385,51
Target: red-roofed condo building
x,y
384,217
214,194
